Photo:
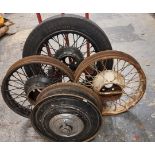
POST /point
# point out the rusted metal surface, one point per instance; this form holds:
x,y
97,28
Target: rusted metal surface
x,y
128,70
138,124
87,15
76,88
106,79
14,84
39,18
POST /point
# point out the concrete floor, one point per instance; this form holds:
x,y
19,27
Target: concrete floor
x,y
131,33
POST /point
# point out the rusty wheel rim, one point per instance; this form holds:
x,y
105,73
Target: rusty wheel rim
x,y
13,90
131,87
71,88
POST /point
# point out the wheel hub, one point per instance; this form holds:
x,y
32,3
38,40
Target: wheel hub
x,y
66,125
34,85
71,56
109,83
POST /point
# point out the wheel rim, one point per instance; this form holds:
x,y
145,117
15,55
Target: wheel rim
x,y
14,83
130,82
73,39
67,38
71,88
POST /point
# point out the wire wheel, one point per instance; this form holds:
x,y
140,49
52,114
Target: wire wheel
x,y
67,112
20,89
65,37
119,88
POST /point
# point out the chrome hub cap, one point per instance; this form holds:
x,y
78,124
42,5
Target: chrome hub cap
x,y
66,125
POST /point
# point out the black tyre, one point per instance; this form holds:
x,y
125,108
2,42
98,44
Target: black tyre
x,y
49,37
67,114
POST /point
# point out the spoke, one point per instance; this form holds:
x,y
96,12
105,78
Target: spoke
x,y
134,73
86,81
136,78
58,38
51,47
130,87
20,77
63,38
54,39
129,72
73,39
21,94
131,79
75,42
121,104
114,66
88,48
117,64
91,51
18,82
104,63
10,90
128,95
123,64
135,81
122,69
24,101
40,70
89,75
66,40
18,96
83,43
44,53
31,69
16,87
21,73
94,67
24,72
16,78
